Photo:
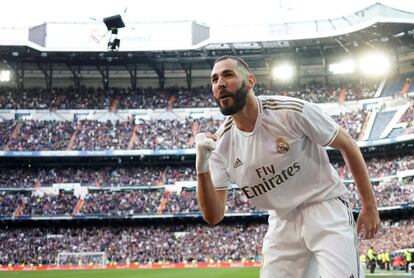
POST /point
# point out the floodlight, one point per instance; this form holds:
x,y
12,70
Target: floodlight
x,y
283,72
4,76
114,22
347,66
374,64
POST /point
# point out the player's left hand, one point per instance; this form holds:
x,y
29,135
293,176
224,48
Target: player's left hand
x,y
368,221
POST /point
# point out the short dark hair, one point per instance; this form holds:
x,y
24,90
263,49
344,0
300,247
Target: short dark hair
x,y
240,62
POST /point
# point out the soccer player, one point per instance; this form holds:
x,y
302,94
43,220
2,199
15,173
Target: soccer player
x,y
274,149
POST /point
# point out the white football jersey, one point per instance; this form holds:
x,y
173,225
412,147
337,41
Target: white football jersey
x,y
282,163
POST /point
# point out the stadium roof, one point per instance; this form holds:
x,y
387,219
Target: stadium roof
x,y
307,43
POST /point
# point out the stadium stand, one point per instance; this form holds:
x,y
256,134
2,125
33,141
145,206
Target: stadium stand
x,y
400,86
163,243
33,135
99,168
97,98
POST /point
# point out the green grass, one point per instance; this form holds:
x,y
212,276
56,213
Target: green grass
x,y
239,272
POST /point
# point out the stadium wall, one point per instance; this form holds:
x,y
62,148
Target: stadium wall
x,y
132,266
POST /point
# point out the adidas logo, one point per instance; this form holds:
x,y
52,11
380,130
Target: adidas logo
x,y
237,163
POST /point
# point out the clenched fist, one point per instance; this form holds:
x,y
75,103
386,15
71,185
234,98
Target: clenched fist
x,y
205,144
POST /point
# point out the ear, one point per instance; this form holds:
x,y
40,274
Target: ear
x,y
251,81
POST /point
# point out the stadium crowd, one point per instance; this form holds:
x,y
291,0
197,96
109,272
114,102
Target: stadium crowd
x,y
389,193
317,92
30,135
40,136
134,176
352,122
163,243
105,176
408,116
160,201
393,235
157,243
380,167
122,203
174,97
156,134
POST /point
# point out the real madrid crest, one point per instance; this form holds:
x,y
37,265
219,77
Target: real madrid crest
x,y
281,145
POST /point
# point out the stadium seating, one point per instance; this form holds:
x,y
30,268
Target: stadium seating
x,y
163,243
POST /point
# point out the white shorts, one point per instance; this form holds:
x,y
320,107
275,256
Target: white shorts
x,y
314,240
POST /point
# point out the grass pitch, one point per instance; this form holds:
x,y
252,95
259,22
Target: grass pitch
x,y
239,272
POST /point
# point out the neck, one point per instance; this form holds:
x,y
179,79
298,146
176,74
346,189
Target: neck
x,y
245,119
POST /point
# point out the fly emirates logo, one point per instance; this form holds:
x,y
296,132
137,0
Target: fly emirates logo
x,y
270,179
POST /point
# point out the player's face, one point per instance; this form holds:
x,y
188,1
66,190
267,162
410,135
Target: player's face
x,y
229,88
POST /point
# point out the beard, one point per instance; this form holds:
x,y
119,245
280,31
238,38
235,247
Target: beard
x,y
239,101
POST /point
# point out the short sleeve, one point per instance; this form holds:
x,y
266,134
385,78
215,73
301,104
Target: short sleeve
x,y
218,172
319,127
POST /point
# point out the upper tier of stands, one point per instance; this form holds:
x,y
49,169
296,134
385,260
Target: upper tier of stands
x,y
149,98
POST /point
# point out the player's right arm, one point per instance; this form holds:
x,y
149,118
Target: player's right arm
x,y
211,202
